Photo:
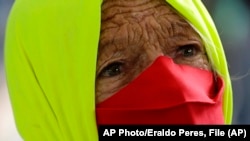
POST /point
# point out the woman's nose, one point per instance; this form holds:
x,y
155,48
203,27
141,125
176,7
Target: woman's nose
x,y
153,51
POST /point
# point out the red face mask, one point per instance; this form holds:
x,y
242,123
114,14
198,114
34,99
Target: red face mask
x,y
166,93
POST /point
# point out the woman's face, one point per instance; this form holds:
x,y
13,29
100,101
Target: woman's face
x,y
133,34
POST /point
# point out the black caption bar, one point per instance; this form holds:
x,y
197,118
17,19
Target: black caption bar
x,y
239,132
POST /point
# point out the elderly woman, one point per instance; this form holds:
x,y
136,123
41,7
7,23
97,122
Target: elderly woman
x,y
74,65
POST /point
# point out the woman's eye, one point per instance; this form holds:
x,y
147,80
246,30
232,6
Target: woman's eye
x,y
112,69
187,51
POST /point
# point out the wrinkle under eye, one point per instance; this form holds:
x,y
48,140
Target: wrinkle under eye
x,y
112,70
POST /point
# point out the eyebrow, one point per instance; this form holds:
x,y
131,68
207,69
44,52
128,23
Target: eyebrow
x,y
108,52
111,42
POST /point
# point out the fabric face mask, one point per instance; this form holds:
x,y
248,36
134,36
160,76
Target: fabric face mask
x,y
166,93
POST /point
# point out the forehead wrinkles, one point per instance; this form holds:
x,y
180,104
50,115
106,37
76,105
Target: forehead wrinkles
x,y
125,35
110,8
133,15
129,19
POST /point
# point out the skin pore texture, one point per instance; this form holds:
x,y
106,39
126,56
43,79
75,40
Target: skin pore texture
x,y
133,34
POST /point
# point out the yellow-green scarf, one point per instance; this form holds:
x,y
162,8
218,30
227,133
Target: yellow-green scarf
x,y
50,61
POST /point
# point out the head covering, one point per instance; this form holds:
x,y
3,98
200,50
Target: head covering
x,y
50,61
197,15
50,57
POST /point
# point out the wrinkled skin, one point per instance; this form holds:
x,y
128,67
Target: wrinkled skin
x,y
133,34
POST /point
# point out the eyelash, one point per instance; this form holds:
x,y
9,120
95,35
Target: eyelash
x,y
181,51
112,69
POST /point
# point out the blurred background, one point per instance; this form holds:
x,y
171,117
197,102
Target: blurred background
x,y
232,18
8,130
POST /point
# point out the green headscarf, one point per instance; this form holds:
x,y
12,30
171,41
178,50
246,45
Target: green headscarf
x,y
50,61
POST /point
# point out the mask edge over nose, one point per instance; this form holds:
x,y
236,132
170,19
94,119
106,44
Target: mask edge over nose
x,y
162,94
